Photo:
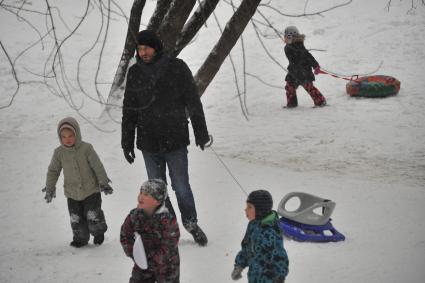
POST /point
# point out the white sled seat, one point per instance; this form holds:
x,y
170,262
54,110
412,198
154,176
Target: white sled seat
x,y
305,212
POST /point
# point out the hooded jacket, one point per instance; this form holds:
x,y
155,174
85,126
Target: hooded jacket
x,y
82,169
160,235
301,62
263,251
158,99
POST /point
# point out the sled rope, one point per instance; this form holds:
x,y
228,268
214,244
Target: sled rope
x,y
352,78
228,170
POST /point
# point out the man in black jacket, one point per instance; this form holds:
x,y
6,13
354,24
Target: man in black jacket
x,y
160,93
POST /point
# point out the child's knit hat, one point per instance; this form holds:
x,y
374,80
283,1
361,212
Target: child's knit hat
x,y
262,201
291,32
156,188
67,126
71,124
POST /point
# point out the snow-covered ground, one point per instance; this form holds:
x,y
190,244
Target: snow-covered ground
x,y
367,155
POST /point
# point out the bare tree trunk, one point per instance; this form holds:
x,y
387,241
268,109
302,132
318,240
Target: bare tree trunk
x,y
228,39
173,22
192,27
128,52
162,7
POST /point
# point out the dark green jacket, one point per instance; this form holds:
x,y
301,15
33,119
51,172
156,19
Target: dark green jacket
x,y
82,169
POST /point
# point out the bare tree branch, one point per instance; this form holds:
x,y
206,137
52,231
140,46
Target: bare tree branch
x,y
15,76
162,7
230,35
128,52
169,20
306,14
173,22
239,94
265,83
261,41
194,24
99,95
5,7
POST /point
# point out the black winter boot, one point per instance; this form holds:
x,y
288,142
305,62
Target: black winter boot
x,y
77,244
197,233
98,240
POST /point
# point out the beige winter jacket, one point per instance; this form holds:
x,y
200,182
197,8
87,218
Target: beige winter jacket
x,y
82,169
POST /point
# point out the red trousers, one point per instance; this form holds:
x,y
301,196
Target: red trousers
x,y
291,94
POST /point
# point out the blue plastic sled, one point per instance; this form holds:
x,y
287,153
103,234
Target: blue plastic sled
x,y
310,233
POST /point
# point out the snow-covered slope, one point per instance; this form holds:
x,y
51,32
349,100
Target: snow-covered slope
x,y
367,155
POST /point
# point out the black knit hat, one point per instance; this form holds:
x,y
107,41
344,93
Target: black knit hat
x,y
149,38
262,201
156,188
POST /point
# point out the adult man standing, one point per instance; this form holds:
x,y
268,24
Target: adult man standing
x,y
160,93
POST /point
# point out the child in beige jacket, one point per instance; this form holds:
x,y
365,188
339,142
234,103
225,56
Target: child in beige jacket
x,y
84,179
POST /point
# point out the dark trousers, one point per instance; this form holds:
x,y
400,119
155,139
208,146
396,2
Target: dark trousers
x,y
291,94
87,217
177,164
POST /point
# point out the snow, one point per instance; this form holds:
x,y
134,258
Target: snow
x,y
367,155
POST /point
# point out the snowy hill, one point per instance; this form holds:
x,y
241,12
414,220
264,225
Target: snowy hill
x,y
367,155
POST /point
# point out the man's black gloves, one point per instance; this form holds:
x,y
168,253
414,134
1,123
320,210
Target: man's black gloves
x,y
129,155
207,142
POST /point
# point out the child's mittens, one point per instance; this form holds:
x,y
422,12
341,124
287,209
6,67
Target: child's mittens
x,y
106,188
50,194
317,70
237,272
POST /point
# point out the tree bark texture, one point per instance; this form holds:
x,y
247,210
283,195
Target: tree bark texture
x,y
129,49
173,22
162,7
194,24
228,39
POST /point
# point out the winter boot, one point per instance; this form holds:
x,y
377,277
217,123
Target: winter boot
x,y
98,240
292,102
77,244
321,103
291,96
197,233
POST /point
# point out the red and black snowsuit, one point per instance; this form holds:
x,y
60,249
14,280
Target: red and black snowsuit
x,y
300,72
160,235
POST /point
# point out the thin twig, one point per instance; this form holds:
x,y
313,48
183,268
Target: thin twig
x,y
15,76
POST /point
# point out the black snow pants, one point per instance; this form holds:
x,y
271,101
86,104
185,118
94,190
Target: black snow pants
x,y
87,217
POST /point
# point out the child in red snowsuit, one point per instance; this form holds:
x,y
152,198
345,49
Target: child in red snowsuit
x,y
300,67
159,232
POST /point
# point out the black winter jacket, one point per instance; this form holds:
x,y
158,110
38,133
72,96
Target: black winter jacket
x,y
156,98
301,63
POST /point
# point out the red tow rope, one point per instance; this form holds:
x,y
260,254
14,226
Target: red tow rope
x,y
352,78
